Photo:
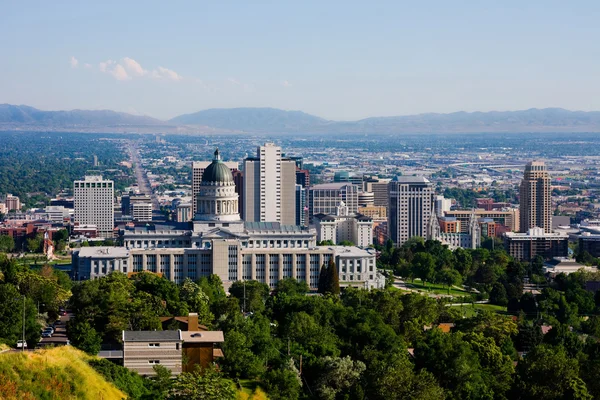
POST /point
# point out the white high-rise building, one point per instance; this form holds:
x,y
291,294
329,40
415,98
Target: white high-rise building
x,y
94,204
270,186
410,208
442,205
326,197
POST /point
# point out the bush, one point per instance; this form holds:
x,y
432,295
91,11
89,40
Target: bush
x,y
128,381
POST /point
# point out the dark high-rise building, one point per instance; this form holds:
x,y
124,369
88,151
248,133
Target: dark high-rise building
x,y
238,178
535,198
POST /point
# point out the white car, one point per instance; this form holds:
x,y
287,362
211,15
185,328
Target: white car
x,y
21,344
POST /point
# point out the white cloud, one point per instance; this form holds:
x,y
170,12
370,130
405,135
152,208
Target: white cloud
x,y
165,73
286,84
128,68
74,62
233,81
119,73
87,65
103,66
134,67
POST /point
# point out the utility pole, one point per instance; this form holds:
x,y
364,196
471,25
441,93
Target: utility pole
x,y
244,296
23,344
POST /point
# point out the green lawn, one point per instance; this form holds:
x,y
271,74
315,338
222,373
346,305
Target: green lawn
x,y
435,288
471,309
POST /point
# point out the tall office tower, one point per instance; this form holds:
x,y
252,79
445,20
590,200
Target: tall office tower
x,y
303,177
442,205
270,187
238,179
326,197
198,168
12,202
94,199
379,187
410,199
301,206
535,198
95,161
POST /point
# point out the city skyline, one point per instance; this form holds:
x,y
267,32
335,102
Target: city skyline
x,y
342,62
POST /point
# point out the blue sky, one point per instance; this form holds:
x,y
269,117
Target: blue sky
x,y
336,59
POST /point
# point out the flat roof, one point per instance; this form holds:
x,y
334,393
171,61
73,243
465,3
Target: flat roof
x,y
103,252
411,179
202,336
330,186
150,336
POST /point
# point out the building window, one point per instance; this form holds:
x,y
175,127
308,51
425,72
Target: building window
x,y
153,361
153,344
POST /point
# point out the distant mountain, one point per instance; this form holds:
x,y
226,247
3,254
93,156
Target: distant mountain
x,y
25,115
252,119
273,121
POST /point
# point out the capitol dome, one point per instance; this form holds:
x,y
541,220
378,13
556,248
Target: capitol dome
x,y
217,172
217,199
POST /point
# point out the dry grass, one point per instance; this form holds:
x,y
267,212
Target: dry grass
x,y
57,373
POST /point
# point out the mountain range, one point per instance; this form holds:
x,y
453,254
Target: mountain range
x,y
272,120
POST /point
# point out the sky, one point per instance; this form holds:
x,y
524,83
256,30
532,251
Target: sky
x,y
341,60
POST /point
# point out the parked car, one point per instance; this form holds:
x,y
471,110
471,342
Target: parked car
x,y
21,344
47,333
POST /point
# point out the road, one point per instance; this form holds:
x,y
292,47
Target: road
x,y
140,175
60,333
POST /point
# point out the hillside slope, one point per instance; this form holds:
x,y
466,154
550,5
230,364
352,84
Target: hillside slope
x,y
57,373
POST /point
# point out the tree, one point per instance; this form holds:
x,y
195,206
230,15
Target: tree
x,y
202,384
7,244
11,317
548,373
282,384
333,278
323,283
83,336
424,267
255,293
196,300
291,287
338,375
498,295
449,277
34,244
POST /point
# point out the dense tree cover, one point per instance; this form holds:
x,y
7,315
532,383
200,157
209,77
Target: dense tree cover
x,y
35,167
329,279
115,303
355,345
23,292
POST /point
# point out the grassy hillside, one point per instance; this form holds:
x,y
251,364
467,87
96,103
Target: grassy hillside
x,y
57,373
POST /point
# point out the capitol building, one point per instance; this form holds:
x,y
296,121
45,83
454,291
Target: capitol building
x,y
219,242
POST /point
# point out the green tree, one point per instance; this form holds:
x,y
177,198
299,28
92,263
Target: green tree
x,y
83,336
291,287
7,244
498,295
196,300
202,384
449,277
338,375
11,317
282,384
255,293
548,373
424,267
323,283
333,278
34,244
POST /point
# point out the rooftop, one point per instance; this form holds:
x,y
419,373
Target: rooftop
x,y
103,252
271,226
331,185
148,336
202,336
411,179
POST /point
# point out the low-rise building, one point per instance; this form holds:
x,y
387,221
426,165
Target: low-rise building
x,y
344,226
526,246
142,350
590,242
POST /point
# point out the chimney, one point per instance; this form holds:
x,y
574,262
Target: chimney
x,y
193,322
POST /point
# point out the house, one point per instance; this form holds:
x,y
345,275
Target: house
x,y
186,323
199,348
142,350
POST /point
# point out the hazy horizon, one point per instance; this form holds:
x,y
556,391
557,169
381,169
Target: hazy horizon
x,y
338,60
